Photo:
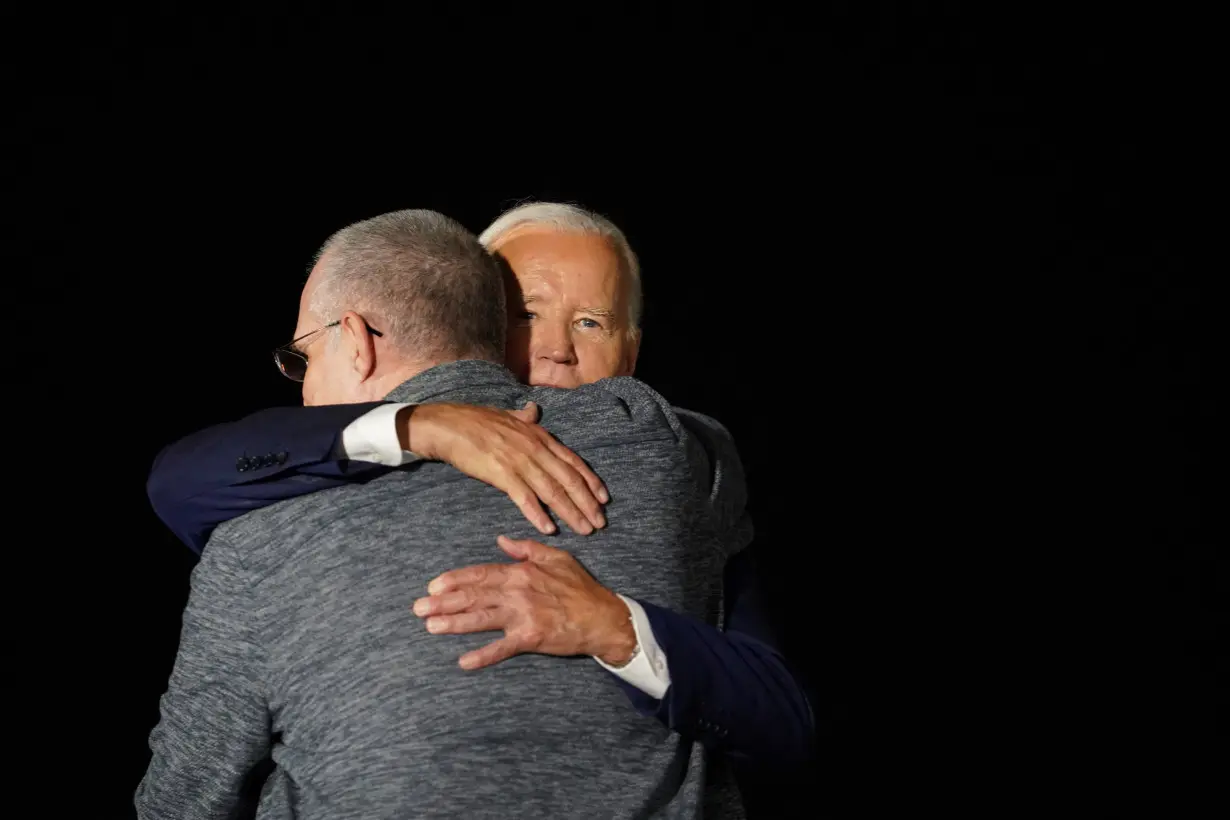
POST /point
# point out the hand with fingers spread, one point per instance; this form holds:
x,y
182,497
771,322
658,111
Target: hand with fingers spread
x,y
510,451
545,603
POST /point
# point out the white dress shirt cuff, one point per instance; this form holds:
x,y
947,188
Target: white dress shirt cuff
x,y
647,670
373,437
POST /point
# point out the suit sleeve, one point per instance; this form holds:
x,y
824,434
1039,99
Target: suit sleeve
x,y
214,727
730,690
223,471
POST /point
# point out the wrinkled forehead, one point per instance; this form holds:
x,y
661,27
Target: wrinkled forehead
x,y
563,264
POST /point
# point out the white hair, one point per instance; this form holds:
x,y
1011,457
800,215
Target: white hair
x,y
558,216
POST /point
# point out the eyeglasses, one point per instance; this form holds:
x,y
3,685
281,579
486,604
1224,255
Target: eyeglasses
x,y
293,362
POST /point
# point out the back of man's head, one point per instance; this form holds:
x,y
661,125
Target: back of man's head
x,y
420,277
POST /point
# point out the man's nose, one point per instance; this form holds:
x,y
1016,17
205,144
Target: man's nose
x,y
555,347
558,354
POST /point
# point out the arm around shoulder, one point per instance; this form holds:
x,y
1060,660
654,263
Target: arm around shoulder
x,y
223,471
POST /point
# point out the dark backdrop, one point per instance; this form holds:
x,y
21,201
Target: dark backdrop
x,y
933,269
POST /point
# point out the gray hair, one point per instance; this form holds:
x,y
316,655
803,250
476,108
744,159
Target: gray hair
x,y
566,218
421,279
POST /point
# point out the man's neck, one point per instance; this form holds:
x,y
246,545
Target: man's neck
x,y
380,385
450,376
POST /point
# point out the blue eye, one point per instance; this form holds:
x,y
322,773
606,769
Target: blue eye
x,y
591,324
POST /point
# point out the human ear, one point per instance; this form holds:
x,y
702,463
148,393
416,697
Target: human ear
x,y
358,344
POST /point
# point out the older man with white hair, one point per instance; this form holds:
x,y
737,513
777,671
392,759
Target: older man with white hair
x,y
574,295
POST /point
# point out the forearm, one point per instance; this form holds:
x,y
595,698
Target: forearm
x,y
224,471
254,448
729,691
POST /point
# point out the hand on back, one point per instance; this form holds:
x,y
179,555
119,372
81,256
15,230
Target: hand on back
x,y
510,451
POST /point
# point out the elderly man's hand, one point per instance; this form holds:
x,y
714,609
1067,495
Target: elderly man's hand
x,y
509,451
545,603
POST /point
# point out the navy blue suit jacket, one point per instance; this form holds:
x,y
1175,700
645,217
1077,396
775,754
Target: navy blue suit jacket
x,y
730,690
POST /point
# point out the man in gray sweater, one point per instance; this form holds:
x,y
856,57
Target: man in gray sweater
x,y
299,642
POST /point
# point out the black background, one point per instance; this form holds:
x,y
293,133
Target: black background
x,y
935,269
